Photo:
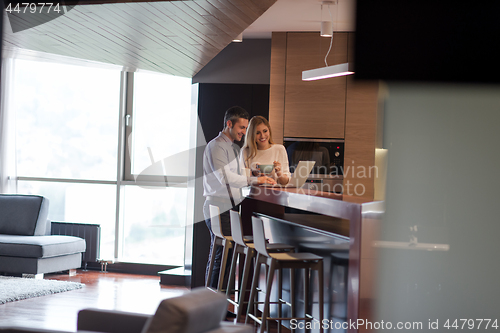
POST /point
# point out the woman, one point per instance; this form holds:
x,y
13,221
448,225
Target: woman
x,y
259,149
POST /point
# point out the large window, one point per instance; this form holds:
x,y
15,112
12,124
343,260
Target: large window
x,y
161,118
68,136
67,120
154,221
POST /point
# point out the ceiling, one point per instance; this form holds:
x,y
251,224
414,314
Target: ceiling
x,y
172,37
302,15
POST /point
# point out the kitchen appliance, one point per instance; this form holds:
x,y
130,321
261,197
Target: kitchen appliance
x,y
328,172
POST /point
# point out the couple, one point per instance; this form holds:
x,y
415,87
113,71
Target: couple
x,y
223,168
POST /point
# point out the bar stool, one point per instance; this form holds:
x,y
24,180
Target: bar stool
x,y
220,240
336,261
243,245
278,261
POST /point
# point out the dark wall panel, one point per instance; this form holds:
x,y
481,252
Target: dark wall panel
x,y
248,62
215,99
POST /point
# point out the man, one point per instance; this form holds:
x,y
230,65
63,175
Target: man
x,y
223,179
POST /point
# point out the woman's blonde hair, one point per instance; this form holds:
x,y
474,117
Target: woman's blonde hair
x,y
250,147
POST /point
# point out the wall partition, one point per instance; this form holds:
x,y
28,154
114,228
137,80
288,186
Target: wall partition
x,y
106,147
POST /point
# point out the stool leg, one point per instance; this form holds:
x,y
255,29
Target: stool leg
x,y
265,314
331,288
320,291
227,246
212,261
307,293
253,289
280,296
232,271
246,271
292,291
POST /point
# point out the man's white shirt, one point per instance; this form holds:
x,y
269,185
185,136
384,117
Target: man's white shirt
x,y
220,155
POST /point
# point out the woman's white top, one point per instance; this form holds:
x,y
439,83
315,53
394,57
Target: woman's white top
x,y
274,153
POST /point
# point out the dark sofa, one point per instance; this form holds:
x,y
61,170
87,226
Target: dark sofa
x,y
26,246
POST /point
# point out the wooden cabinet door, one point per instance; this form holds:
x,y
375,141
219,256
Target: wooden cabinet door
x,y
360,134
314,109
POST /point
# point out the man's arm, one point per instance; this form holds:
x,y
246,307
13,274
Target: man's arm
x,y
221,159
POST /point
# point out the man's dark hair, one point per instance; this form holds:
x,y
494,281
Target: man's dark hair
x,y
234,113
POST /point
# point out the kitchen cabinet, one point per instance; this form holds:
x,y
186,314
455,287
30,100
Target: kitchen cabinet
x,y
334,108
314,109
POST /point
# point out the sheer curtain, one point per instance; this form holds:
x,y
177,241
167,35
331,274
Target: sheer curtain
x,y
7,131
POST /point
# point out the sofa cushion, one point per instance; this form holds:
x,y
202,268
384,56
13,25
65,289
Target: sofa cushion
x,y
23,214
40,246
198,311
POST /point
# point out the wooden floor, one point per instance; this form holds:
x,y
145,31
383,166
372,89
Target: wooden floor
x,y
113,291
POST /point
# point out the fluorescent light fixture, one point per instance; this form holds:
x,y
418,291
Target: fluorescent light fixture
x,y
238,38
326,72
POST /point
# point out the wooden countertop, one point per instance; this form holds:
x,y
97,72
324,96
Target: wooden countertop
x,y
325,203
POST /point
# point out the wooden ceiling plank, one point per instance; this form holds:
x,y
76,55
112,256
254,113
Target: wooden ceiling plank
x,y
172,54
248,6
145,61
182,46
226,24
182,10
232,27
17,42
190,23
148,31
21,22
159,17
109,40
202,59
263,4
173,58
239,9
196,7
174,68
217,30
82,36
97,19
217,15
45,41
217,10
90,30
186,29
175,42
239,17
149,35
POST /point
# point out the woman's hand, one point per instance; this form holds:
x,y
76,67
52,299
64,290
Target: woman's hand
x,y
277,168
254,167
266,180
281,178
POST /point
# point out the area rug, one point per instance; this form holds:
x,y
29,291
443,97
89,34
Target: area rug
x,y
15,289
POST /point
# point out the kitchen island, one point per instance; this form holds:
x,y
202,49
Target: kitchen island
x,y
339,228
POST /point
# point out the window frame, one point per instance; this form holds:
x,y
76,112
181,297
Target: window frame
x,y
128,176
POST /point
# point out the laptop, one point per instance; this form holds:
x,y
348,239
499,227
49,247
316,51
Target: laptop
x,y
299,176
